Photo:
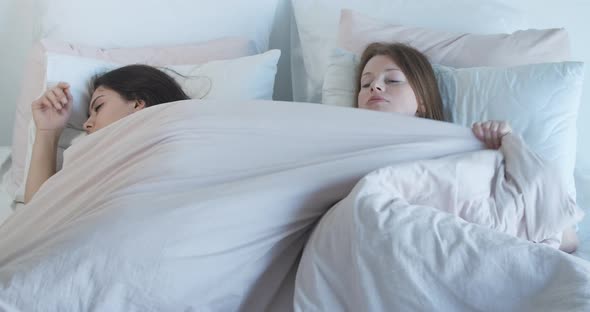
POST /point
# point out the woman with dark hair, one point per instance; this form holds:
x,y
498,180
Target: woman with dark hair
x,y
394,77
115,94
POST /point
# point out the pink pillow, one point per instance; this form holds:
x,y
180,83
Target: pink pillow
x,y
33,84
457,49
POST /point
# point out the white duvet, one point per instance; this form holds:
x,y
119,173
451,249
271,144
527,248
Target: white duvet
x,y
199,205
400,241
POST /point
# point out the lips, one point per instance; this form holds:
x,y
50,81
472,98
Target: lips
x,y
376,99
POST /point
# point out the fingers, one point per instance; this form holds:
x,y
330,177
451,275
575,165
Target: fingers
x,y
491,132
488,135
53,98
69,96
57,97
65,96
477,130
494,135
61,95
63,85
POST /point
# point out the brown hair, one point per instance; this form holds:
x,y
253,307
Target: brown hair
x,y
417,70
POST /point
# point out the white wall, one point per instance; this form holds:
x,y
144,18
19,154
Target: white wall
x,y
280,39
15,39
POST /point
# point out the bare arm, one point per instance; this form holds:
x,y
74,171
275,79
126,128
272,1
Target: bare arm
x,y
51,113
43,159
569,241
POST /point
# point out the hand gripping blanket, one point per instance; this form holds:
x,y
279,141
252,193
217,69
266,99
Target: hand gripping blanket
x,y
448,235
199,205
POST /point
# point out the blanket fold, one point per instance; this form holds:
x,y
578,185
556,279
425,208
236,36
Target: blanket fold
x,y
201,205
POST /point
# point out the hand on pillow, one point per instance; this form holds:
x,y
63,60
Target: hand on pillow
x,y
53,109
491,132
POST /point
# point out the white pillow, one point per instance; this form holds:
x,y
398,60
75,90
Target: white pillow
x,y
244,78
540,101
316,22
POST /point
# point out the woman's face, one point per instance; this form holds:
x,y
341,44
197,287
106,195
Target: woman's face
x,y
384,88
106,107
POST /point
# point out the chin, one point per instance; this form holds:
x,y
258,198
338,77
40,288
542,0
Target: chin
x,y
376,106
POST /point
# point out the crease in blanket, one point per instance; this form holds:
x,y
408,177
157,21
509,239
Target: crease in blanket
x,y
448,234
188,205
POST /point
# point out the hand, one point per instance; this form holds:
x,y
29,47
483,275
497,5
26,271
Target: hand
x,y
491,132
53,109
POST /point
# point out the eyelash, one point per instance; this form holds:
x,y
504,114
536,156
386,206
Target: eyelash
x,y
97,107
366,85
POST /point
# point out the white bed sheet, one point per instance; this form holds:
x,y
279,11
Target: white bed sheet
x,y
584,237
5,200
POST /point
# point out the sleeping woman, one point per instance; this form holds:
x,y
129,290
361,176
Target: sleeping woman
x,y
115,94
397,78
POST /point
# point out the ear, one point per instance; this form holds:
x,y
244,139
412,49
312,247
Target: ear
x,y
139,105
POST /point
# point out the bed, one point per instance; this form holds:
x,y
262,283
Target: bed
x,y
257,183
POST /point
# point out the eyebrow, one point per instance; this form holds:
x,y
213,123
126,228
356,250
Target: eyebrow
x,y
388,69
94,101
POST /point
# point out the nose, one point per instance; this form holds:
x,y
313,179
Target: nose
x,y
376,86
88,125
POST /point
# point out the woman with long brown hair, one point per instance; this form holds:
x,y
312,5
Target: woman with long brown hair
x,y
396,78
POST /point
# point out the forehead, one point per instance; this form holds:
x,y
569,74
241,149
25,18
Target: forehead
x,y
101,91
379,63
104,94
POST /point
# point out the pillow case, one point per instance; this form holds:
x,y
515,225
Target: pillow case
x,y
321,26
245,78
34,78
521,47
540,101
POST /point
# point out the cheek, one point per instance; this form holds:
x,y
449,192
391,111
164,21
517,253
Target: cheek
x,y
106,117
362,98
403,95
411,98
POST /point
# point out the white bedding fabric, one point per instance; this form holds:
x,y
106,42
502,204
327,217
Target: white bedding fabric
x,y
390,246
584,237
199,205
6,202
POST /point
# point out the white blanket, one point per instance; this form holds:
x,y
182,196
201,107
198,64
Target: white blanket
x,y
399,240
197,205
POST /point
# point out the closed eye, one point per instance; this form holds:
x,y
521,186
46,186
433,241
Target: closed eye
x,y
97,107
